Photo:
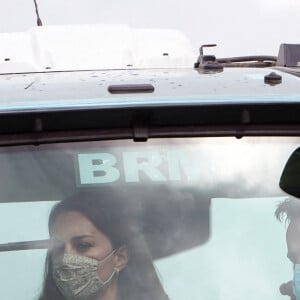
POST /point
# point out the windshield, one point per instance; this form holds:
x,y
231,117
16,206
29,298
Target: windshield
x,y
198,218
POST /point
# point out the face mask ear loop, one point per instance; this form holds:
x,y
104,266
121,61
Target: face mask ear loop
x,y
108,256
113,273
108,280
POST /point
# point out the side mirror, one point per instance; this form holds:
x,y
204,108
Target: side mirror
x,y
290,177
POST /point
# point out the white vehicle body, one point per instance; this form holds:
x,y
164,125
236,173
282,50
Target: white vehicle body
x,y
92,47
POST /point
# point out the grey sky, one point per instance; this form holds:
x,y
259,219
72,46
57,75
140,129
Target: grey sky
x,y
238,27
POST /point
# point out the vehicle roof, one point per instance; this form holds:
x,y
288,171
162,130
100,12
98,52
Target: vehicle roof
x,y
89,89
45,69
92,47
58,84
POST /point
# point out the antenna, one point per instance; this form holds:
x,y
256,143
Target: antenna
x,y
39,21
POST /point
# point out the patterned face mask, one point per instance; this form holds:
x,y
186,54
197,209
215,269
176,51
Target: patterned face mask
x,y
77,276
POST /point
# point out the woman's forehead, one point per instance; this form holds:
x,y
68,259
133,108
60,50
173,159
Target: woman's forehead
x,y
70,224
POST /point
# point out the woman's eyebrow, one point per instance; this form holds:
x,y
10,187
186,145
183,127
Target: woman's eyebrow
x,y
80,237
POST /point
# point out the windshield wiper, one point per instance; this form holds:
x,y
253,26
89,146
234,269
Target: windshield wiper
x,y
210,62
26,245
248,61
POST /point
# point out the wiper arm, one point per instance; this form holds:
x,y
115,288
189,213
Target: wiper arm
x,y
211,63
26,245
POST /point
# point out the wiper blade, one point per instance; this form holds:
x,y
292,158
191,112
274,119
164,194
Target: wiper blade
x,y
26,245
255,61
259,58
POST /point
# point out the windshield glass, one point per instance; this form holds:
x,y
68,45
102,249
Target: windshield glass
x,y
164,219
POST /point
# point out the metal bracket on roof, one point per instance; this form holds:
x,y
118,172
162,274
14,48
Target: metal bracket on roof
x,y
38,125
289,55
140,132
141,121
207,63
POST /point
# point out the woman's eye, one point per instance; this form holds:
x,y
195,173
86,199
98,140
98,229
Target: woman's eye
x,y
83,246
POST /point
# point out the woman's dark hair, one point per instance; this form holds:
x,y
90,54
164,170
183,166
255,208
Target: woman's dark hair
x,y
113,215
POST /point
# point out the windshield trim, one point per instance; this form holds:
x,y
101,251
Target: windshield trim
x,y
142,134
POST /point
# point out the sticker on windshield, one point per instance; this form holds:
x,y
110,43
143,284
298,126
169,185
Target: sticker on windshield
x,y
135,167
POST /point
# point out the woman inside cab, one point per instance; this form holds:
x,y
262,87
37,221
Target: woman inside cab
x,y
96,254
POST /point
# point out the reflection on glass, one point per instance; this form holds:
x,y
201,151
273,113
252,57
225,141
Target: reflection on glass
x,y
167,219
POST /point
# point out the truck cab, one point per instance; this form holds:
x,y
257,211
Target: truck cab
x,y
186,149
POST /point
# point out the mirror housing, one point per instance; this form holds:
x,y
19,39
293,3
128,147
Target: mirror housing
x,y
290,177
